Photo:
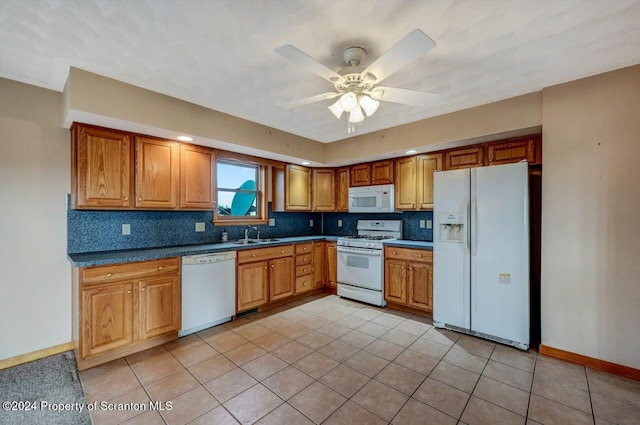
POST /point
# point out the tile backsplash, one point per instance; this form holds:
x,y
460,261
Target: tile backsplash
x,y
94,231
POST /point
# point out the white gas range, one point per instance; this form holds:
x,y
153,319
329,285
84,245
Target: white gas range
x,y
361,263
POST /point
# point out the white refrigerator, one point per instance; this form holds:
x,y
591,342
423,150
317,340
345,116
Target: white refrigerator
x,y
481,252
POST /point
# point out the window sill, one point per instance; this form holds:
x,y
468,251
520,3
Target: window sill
x,y
240,222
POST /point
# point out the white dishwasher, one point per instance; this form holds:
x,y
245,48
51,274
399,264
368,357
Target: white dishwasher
x,y
208,290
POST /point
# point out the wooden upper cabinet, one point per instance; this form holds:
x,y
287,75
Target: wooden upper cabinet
x,y
512,151
157,173
342,189
102,168
360,175
405,185
427,164
324,189
464,158
297,188
197,171
382,172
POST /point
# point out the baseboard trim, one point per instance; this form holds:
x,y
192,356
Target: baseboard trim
x,y
35,355
617,369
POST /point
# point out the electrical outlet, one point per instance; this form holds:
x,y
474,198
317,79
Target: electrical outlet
x,y
429,224
199,227
339,223
422,224
272,222
310,223
126,229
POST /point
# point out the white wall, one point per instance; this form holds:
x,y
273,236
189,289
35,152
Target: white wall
x,y
35,287
591,217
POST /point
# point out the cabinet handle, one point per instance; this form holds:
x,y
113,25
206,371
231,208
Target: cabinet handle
x,y
159,267
109,274
143,289
129,291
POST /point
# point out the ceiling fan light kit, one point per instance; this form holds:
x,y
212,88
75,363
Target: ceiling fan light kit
x,y
356,87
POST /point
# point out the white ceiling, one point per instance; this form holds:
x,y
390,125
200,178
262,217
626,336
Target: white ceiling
x,y
219,54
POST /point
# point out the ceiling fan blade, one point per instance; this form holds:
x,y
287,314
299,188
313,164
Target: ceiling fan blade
x,y
401,54
301,58
310,99
407,97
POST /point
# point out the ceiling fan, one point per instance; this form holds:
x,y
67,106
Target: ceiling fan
x,y
357,86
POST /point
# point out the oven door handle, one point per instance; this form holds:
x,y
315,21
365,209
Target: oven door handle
x,y
357,251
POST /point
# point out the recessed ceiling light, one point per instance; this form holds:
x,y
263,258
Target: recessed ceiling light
x,y
305,163
409,152
185,138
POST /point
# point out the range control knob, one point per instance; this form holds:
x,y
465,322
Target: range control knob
x,y
370,245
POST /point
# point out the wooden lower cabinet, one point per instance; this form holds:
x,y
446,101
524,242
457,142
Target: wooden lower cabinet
x,y
332,264
319,262
253,283
280,278
124,308
408,277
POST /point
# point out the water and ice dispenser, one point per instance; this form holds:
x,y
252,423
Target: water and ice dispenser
x,y
451,227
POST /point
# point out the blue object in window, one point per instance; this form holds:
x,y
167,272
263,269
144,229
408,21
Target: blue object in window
x,y
242,201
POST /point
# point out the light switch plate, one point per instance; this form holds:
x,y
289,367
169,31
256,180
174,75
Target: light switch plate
x,y
422,224
429,224
339,223
200,227
310,223
272,222
126,229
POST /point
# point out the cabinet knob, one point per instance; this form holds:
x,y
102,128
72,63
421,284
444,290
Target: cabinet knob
x,y
129,291
126,198
282,252
304,284
253,255
109,274
139,199
265,267
420,255
273,265
304,249
402,267
159,267
394,253
143,289
304,259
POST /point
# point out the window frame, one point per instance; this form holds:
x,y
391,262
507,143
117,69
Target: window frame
x,y
261,216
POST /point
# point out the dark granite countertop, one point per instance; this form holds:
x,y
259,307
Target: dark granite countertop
x,y
409,244
131,255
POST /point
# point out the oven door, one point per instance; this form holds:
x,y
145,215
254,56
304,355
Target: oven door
x,y
360,267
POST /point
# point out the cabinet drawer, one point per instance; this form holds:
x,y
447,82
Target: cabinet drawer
x,y
260,254
302,270
304,283
128,271
304,248
408,254
303,259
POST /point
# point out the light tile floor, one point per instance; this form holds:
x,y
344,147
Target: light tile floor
x,y
333,361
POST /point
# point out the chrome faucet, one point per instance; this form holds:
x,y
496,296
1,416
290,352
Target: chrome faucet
x,y
248,229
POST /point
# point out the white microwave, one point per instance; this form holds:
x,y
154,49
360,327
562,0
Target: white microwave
x,y
371,199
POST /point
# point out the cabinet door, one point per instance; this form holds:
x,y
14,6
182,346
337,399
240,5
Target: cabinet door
x,y
157,173
324,195
360,175
464,158
382,172
107,318
159,300
420,286
427,164
512,151
101,168
395,281
252,280
332,265
280,278
297,188
197,171
405,185
342,189
318,264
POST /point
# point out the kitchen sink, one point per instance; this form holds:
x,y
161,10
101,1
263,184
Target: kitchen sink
x,y
244,242
266,240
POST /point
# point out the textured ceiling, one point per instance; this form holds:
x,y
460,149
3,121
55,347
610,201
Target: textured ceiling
x,y
219,54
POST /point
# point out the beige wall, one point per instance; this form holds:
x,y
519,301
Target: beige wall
x,y
35,288
591,217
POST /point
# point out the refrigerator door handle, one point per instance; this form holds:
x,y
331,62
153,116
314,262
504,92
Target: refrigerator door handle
x,y
474,226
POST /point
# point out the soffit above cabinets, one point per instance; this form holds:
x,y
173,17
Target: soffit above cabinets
x,y
219,54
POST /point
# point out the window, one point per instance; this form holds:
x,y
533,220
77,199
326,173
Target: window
x,y
239,192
